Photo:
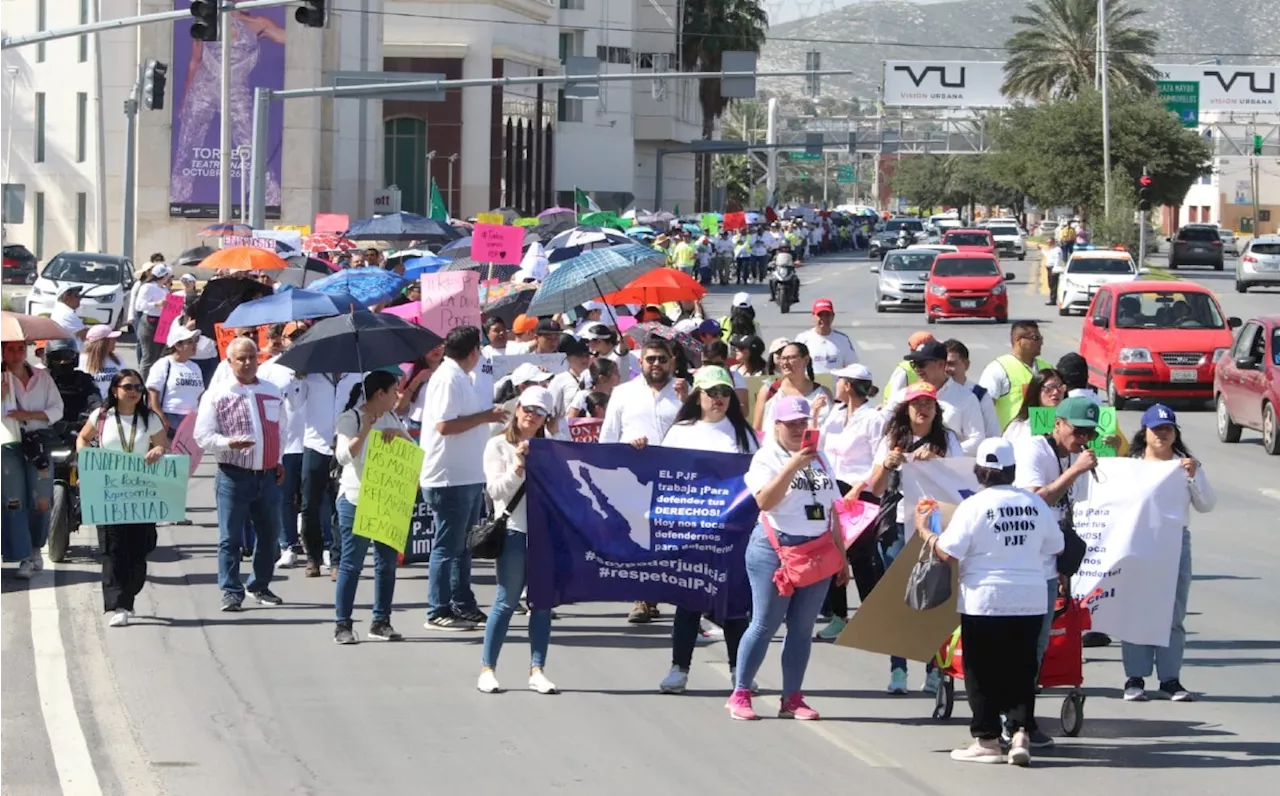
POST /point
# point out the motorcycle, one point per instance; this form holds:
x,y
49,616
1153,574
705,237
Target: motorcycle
x,y
784,283
64,511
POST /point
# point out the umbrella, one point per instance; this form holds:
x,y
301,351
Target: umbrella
x,y
593,274
221,296
368,285
16,327
326,242
641,232
358,342
587,236
555,211
193,257
500,271
414,267
661,217
314,264
548,228
643,331
401,226
658,287
244,258
225,230
457,245
509,306
290,305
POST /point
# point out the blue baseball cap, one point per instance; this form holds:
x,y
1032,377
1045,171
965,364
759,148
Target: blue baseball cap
x,y
1158,415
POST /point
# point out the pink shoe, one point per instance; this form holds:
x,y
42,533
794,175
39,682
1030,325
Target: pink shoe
x,y
793,707
739,705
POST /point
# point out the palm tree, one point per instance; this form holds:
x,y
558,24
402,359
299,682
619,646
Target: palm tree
x,y
709,29
1054,54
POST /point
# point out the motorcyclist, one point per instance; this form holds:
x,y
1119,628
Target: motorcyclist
x,y
783,257
80,394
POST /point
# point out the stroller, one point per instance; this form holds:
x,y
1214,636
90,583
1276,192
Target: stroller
x,y
1063,665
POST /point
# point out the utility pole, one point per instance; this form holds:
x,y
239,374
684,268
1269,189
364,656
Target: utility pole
x,y
1105,80
100,138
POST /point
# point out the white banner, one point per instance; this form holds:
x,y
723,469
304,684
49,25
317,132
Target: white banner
x,y
504,365
1132,521
1230,89
944,480
944,84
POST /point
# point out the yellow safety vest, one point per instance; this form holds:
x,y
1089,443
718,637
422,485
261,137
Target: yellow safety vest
x,y
1009,404
912,377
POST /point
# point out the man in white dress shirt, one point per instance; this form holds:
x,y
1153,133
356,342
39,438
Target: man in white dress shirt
x,y
958,370
64,314
961,411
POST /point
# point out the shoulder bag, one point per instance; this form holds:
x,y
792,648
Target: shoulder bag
x,y
488,539
929,582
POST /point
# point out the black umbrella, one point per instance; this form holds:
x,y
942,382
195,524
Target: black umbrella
x,y
358,342
302,271
546,232
193,257
500,271
509,306
401,226
221,296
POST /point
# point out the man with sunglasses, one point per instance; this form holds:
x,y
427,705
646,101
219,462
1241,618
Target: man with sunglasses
x,y
961,411
1006,378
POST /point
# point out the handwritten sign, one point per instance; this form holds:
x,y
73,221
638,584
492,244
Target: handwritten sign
x,y
422,535
526,222
1041,420
223,335
585,429
168,314
492,243
551,363
228,241
118,488
450,299
388,490
184,441
490,218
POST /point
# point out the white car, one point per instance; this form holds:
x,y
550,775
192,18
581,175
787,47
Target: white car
x,y
1010,240
105,281
1086,271
934,247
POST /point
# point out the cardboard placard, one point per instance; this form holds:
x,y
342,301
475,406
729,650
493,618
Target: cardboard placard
x,y
332,222
492,243
491,218
184,441
388,490
450,299
118,488
1040,420
710,224
422,534
585,429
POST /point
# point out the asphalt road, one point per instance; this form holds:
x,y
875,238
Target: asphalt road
x,y
191,701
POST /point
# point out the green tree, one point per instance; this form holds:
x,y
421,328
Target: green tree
x,y
979,179
709,29
923,180
735,174
1054,54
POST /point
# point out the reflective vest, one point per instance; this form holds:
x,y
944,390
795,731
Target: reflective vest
x,y
912,377
1009,404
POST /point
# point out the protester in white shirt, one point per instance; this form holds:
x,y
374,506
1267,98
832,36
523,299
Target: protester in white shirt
x,y
601,377
958,370
830,349
564,386
1001,537
175,383
148,306
292,428
31,402
324,395
99,359
1046,390
496,329
796,369
64,313
646,407
454,434
961,411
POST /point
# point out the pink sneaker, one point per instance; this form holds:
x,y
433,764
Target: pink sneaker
x,y
739,705
793,707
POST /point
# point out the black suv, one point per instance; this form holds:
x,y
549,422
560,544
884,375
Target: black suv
x,y
885,239
1196,244
19,265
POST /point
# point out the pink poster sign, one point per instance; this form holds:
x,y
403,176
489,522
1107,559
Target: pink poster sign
x,y
492,243
450,299
184,441
168,314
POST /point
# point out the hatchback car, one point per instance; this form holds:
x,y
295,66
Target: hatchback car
x,y
19,265
1246,384
903,275
1259,264
973,241
1086,271
105,281
1155,340
967,285
1196,244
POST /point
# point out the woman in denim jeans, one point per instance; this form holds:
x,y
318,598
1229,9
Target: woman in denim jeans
x,y
380,392
1160,440
795,491
31,403
504,457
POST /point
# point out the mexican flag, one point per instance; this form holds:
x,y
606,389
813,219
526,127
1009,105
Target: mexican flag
x,y
580,200
438,211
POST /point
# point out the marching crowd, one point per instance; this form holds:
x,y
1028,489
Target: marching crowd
x,y
820,428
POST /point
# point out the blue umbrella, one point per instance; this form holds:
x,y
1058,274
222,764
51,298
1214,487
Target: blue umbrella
x,y
290,305
415,267
401,226
591,275
370,285
637,232
460,243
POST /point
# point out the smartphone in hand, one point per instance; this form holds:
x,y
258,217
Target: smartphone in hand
x,y
811,438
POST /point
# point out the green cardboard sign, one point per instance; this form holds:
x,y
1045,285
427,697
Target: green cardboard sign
x,y
1041,420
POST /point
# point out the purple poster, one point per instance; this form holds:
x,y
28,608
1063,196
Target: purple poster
x,y
257,59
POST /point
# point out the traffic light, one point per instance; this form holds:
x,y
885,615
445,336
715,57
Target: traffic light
x,y
1257,145
204,26
1144,193
153,83
311,13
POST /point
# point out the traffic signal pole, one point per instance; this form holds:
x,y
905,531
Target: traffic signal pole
x,y
1144,213
130,167
8,42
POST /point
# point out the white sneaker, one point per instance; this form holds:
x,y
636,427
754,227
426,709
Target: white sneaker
x,y
898,682
488,683
37,561
675,682
932,681
120,618
710,630
24,570
326,560
539,682
287,559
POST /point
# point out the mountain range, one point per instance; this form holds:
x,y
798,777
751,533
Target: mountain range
x,y
861,35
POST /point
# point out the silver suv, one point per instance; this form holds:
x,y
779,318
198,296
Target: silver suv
x,y
903,275
1259,263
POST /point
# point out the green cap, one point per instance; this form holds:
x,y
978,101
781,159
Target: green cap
x,y
712,376
1079,411
394,370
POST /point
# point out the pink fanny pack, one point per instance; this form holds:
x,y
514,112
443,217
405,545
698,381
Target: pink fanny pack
x,y
804,564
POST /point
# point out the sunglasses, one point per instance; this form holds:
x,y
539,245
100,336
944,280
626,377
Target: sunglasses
x,y
1035,337
661,359
535,410
1084,433
131,387
920,366
720,393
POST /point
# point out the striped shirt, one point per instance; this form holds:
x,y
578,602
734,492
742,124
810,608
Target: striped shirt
x,y
232,411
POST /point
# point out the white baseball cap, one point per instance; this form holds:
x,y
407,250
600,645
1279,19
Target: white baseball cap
x,y
160,271
528,372
593,306
181,334
539,398
742,299
995,452
856,372
595,331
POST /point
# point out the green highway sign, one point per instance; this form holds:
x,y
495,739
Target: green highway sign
x,y
804,156
846,179
1182,98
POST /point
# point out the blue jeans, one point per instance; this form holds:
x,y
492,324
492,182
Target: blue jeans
x,y
290,499
1140,658
243,495
26,526
174,421
769,610
353,551
511,579
456,510
317,507
889,554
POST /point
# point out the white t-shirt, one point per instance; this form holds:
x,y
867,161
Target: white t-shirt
x,y
828,351
66,317
1001,536
293,423
810,485
718,437
180,385
882,452
347,426
961,413
1017,431
1039,465
563,387
109,435
766,421
457,459
849,442
110,367
491,352
627,364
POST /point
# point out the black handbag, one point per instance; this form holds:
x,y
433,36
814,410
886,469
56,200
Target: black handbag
x,y
1074,548
488,539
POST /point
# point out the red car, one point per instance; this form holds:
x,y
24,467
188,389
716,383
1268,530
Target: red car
x,y
1155,340
1246,384
964,285
971,241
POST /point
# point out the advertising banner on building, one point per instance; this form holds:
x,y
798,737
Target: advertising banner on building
x,y
944,84
257,60
1229,88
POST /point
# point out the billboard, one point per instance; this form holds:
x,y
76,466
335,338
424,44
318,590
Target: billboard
x,y
944,84
257,59
1230,89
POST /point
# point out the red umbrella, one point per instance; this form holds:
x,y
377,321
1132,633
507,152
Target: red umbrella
x,y
326,242
659,286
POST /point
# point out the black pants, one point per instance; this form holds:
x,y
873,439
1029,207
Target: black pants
x,y
124,563
1053,286
317,497
1000,670
684,636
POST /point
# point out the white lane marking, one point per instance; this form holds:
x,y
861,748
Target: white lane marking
x,y
66,737
854,324
1274,494
870,345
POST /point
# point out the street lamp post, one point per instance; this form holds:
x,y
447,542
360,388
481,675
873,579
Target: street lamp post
x,y
427,193
448,201
1104,79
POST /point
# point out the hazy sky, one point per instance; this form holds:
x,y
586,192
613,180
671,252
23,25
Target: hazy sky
x,y
787,10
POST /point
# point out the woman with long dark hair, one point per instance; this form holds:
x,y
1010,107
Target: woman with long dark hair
x,y
125,546
1160,440
370,409
742,318
601,377
1047,388
749,350
796,367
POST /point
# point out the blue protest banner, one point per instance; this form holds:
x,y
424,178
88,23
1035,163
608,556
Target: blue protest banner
x,y
121,488
609,523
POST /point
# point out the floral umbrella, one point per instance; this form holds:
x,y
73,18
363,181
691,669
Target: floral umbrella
x,y
326,242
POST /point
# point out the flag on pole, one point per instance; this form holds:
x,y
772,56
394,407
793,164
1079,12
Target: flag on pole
x,y
676,210
580,199
439,211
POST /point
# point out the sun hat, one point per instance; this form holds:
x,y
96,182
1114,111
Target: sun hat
x,y
855,372
921,389
1158,415
710,376
538,398
100,331
1079,412
790,407
995,452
